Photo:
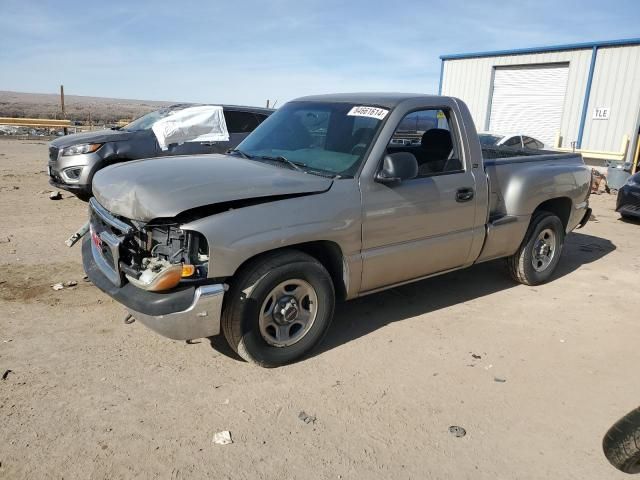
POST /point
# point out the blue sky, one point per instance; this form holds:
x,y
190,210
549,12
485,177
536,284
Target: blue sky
x,y
247,51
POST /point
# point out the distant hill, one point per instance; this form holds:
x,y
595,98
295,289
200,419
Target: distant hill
x,y
78,108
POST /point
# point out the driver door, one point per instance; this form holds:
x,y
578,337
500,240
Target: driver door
x,y
424,225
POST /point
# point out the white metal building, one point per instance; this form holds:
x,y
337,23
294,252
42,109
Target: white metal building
x,y
584,96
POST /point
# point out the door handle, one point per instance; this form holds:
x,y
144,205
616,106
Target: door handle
x,y
464,194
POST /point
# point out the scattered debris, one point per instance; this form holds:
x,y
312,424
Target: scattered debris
x,y
222,438
5,240
128,319
307,418
489,366
73,239
70,283
86,278
6,374
456,431
598,178
55,196
477,357
499,380
57,286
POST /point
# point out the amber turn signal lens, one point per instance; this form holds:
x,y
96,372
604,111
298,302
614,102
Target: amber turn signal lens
x,y
188,270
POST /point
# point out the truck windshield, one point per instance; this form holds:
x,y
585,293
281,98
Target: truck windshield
x,y
321,136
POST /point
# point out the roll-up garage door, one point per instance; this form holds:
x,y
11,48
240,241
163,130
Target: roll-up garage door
x,y
529,100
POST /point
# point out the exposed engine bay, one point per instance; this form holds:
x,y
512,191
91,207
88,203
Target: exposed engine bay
x,y
157,257
154,256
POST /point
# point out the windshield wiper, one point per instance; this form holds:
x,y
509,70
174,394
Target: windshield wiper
x,y
281,159
240,152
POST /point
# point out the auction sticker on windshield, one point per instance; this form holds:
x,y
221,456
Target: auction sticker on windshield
x,y
364,111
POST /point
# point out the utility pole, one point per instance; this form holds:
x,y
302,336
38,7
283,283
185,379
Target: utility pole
x,y
64,115
267,103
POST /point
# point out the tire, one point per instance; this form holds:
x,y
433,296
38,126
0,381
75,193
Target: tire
x,y
251,290
621,444
521,264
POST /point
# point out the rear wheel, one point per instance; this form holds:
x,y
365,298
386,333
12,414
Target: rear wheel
x,y
539,253
621,444
278,308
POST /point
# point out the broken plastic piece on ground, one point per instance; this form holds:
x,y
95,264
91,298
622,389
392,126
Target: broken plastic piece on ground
x,y
222,438
129,319
55,196
70,283
57,286
457,431
73,239
477,357
307,418
499,380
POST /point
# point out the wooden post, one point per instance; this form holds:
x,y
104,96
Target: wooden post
x,y
64,115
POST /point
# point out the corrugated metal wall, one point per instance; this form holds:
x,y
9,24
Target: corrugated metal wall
x,y
616,84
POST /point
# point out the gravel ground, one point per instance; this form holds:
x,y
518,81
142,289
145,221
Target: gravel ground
x,y
91,397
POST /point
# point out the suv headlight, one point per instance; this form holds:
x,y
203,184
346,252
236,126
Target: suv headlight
x,y
80,149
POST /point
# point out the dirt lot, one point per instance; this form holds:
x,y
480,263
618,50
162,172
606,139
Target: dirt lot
x,y
91,397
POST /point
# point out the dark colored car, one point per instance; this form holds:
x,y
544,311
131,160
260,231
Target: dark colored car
x,y
74,159
628,204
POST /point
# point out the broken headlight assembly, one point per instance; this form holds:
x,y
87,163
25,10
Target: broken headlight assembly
x,y
160,257
80,149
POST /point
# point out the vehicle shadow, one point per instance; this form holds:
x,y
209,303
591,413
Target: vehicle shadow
x,y
631,220
362,316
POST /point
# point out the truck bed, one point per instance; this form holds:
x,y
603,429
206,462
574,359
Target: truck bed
x,y
520,181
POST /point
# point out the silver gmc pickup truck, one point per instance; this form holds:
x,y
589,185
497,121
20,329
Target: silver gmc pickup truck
x,y
323,201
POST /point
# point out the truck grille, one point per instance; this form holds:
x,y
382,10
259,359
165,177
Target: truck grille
x,y
107,235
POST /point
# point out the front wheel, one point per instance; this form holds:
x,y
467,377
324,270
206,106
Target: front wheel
x,y
539,253
278,308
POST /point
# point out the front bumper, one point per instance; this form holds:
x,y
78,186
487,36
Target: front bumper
x,y
628,201
86,164
184,314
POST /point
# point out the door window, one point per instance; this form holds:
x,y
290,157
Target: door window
x,y
240,122
428,136
513,142
531,143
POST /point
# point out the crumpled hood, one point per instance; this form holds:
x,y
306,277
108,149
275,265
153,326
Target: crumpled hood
x,y
164,187
100,136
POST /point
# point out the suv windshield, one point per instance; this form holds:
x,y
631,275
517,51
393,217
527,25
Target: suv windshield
x,y
146,121
325,137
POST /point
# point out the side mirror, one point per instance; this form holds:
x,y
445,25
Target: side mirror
x,y
397,167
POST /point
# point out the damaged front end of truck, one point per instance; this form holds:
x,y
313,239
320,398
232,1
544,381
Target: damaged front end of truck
x,y
157,270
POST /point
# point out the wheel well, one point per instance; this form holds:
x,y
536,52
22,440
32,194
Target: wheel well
x,y
328,253
561,207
